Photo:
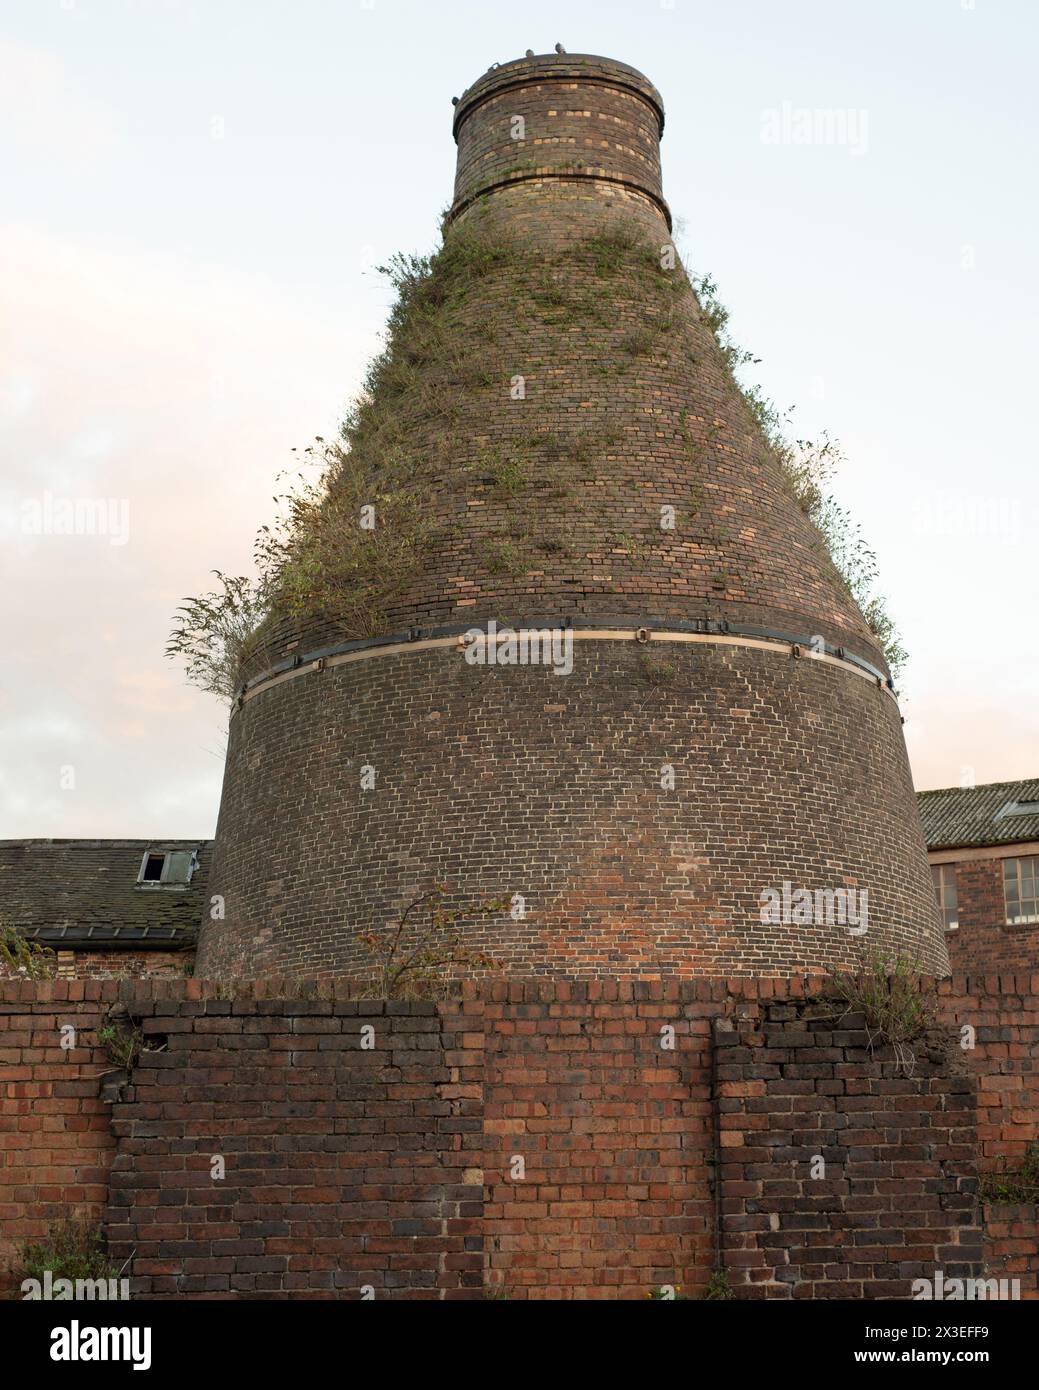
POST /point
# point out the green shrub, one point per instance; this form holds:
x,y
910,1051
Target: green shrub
x,y
888,995
1014,1185
30,959
718,1287
70,1250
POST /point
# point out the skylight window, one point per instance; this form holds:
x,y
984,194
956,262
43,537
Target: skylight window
x,y
167,868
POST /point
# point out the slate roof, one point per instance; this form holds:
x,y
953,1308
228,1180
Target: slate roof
x,y
987,815
84,893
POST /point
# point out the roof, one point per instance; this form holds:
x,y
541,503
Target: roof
x,y
84,893
997,813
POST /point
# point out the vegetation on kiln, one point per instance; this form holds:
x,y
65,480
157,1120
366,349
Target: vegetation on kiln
x,y
810,467
320,566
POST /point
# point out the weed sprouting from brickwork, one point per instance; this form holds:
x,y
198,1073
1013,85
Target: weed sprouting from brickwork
x,y
718,1287
656,670
413,958
123,1039
70,1250
1013,1185
897,1012
317,563
215,634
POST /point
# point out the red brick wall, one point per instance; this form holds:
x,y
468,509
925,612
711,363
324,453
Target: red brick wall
x,y
56,1141
1012,1244
1003,1011
984,943
393,1167
615,1132
895,1200
123,964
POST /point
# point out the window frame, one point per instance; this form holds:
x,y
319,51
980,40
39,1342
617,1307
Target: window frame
x,y
943,876
168,856
1015,861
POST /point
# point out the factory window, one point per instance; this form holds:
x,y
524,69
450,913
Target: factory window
x,y
167,868
944,876
1021,889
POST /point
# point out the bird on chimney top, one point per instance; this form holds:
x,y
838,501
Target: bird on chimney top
x,y
560,48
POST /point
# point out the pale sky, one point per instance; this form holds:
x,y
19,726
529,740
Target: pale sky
x,y
193,197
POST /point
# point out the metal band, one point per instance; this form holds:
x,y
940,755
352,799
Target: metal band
x,y
717,632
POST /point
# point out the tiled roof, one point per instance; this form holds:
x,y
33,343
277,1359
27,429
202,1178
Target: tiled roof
x,y
988,815
85,893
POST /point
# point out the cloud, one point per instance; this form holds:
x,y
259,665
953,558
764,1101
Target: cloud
x,y
171,392
45,115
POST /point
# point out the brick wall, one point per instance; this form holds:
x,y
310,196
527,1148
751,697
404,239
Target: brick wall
x,y
984,943
512,781
396,1167
1003,1053
613,1125
1012,1244
841,1178
342,1165
121,964
56,1140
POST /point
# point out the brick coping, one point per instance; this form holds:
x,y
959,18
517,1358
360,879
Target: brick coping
x,y
493,989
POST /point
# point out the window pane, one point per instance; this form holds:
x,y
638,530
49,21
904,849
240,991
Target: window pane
x,y
178,867
152,870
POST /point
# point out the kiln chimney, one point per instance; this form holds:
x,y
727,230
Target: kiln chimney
x,y
598,659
